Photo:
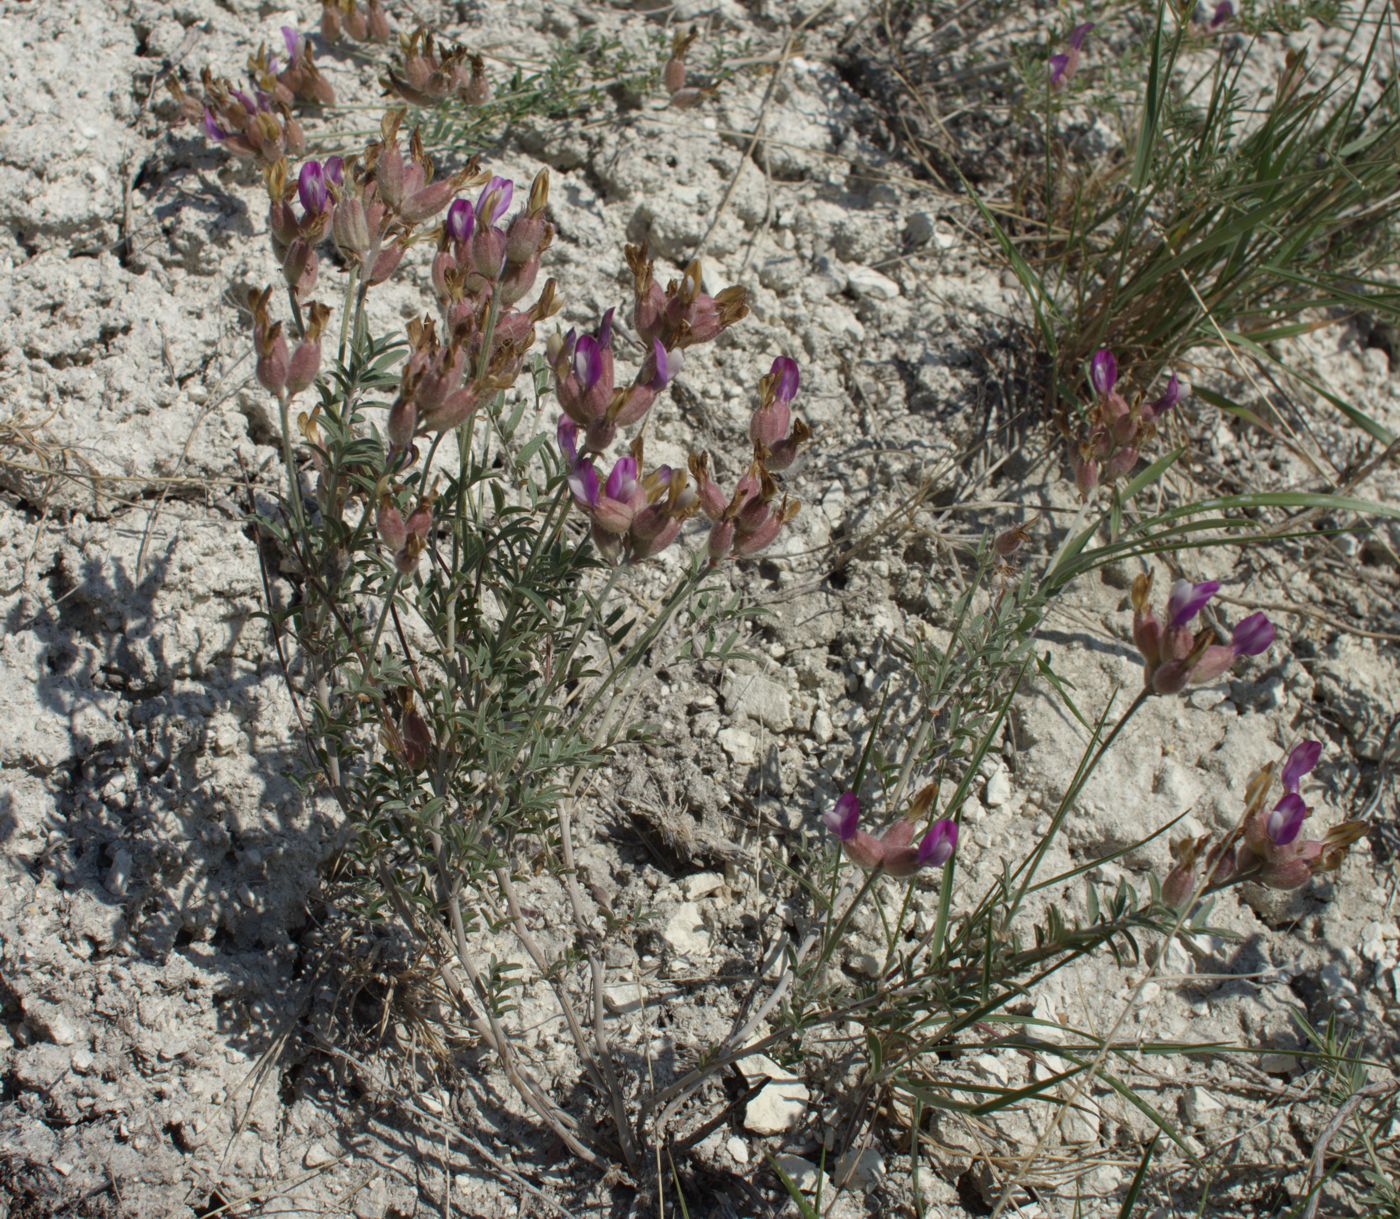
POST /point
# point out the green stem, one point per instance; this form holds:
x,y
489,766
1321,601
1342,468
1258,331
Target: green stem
x,y
350,283
373,650
293,482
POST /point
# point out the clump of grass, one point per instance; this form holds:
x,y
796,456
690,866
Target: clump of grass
x,y
1232,220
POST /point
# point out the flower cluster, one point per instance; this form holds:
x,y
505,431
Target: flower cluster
x,y
427,75
295,236
405,539
673,75
747,521
300,80
254,126
344,17
634,516
584,382
1116,431
1064,63
1268,844
1174,656
683,314
894,850
281,369
480,259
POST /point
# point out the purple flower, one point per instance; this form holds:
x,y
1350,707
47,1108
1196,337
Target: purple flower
x,y
588,361
936,847
495,197
293,41
1224,11
1063,63
311,187
668,364
1252,635
566,433
605,329
1187,600
1286,820
841,820
461,220
1301,759
784,371
583,478
583,483
1155,410
334,169
622,482
251,106
212,128
1103,371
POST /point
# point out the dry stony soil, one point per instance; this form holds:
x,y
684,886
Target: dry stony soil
x,y
174,1011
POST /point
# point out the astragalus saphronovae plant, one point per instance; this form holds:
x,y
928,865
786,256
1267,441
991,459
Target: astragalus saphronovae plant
x,y
461,637
915,968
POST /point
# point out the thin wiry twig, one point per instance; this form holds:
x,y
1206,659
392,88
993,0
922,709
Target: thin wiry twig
x,y
1329,1132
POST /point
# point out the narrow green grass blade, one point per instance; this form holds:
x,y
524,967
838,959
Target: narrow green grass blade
x,y
1139,1179
1151,474
1151,106
1142,1106
1357,416
804,1208
1231,407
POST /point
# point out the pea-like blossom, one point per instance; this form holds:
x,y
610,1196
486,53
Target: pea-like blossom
x,y
1187,600
311,188
494,200
1063,63
1302,758
894,850
1175,657
293,42
461,220
1103,371
1160,406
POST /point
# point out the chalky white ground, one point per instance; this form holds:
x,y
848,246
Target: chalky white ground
x,y
156,856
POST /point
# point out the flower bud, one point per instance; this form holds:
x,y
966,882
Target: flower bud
x,y
769,423
1103,372
402,422
304,365
392,530
1086,474
299,268
720,542
425,203
272,360
376,23
350,229
386,263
